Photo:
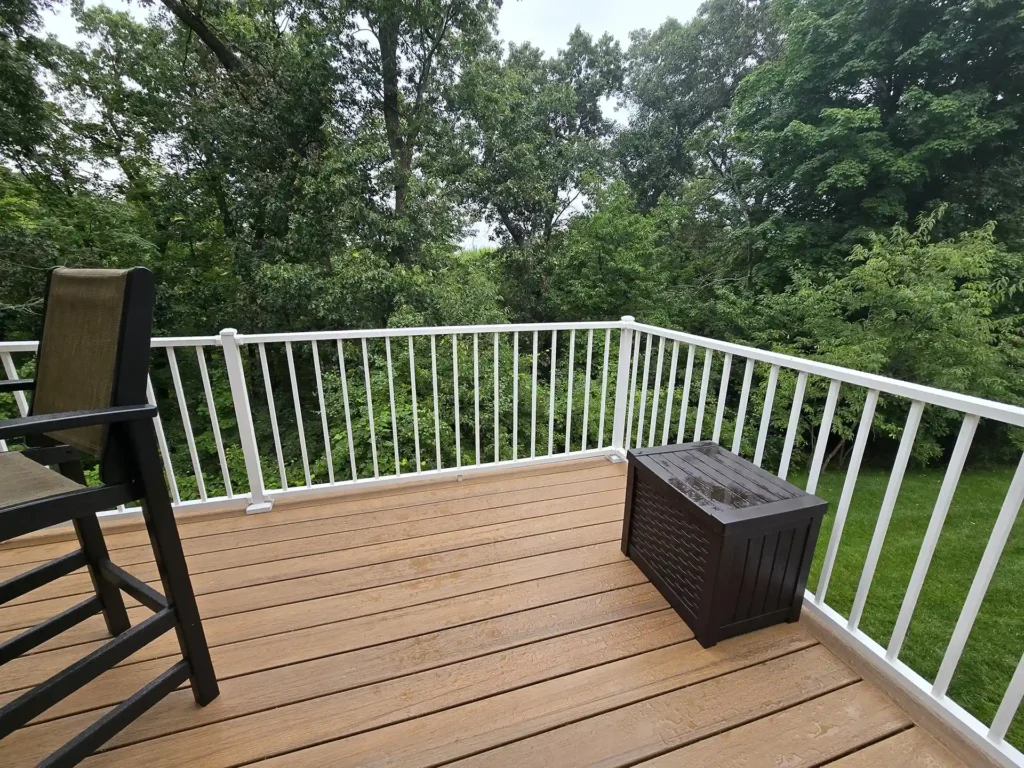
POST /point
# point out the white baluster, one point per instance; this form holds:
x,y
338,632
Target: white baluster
x,y
702,401
273,416
161,438
723,391
298,412
568,407
415,409
348,412
551,401
12,373
931,537
369,408
669,390
586,389
476,393
437,411
741,409
794,424
1009,705
685,399
211,406
766,414
604,387
859,443
982,579
190,438
892,491
657,392
391,398
643,395
515,395
458,421
823,434
323,413
497,440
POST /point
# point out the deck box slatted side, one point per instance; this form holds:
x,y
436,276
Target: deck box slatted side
x,y
728,544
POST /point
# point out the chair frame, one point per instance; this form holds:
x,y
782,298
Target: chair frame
x,y
131,470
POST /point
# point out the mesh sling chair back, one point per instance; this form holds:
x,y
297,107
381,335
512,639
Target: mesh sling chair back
x,y
89,398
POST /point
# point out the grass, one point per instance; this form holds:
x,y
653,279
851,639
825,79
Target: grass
x,y
997,639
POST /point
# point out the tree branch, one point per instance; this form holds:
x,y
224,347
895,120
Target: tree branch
x,y
194,22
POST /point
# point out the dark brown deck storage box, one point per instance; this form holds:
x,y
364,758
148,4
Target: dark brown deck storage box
x,y
728,544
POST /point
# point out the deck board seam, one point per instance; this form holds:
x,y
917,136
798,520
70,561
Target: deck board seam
x,y
571,721
683,744
285,525
156,584
540,681
870,742
12,546
88,587
127,662
29,566
436,667
360,546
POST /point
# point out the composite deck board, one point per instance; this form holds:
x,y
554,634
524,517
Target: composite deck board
x,y
15,616
261,691
912,748
397,507
590,568
301,564
78,583
485,622
247,598
804,736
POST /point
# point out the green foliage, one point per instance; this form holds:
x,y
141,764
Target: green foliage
x,y
313,166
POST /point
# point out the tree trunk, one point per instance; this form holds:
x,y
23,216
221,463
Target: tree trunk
x,y
387,36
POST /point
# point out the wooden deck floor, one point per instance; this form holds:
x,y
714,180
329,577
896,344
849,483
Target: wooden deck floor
x,y
486,622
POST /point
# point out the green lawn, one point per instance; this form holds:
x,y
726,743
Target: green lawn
x,y
997,640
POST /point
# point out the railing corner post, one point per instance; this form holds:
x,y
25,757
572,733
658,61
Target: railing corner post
x,y
621,385
258,502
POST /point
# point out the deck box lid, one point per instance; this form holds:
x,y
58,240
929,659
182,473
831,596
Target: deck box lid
x,y
722,485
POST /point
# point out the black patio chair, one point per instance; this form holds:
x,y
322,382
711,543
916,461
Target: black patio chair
x,y
89,398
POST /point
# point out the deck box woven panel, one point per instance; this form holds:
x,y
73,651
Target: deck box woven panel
x,y
728,544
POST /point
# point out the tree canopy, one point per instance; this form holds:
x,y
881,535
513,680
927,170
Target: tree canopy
x,y
836,178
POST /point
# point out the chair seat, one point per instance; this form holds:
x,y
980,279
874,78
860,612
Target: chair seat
x,y
22,479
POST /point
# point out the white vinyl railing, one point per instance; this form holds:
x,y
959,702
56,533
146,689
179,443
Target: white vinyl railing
x,y
660,386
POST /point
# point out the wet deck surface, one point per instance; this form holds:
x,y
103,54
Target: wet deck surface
x,y
492,621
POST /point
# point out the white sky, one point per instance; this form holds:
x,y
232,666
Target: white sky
x,y
546,24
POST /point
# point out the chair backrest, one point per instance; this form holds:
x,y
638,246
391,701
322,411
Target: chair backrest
x,y
94,353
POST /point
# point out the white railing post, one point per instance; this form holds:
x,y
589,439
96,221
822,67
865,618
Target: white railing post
x,y
243,415
622,385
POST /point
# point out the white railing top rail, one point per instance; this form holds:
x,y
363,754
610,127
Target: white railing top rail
x,y
437,330
156,341
989,409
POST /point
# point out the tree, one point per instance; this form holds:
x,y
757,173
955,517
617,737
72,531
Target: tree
x,y
912,306
536,134
680,82
876,112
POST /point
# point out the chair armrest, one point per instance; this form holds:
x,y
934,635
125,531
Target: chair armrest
x,y
16,385
53,422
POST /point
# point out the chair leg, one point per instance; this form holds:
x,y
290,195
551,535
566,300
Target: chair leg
x,y
170,560
90,539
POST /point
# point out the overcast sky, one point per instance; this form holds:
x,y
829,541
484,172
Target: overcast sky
x,y
545,23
